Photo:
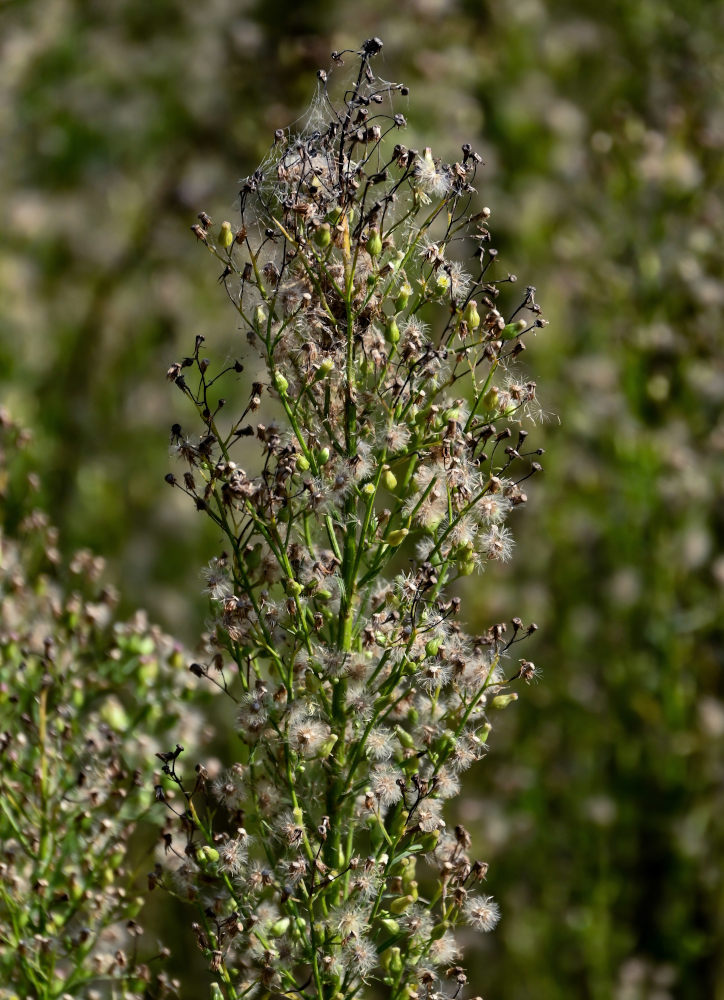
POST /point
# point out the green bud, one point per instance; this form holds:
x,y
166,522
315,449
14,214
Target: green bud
x,y
302,463
391,960
405,738
323,235
490,399
432,647
439,929
207,856
294,588
411,765
466,567
216,993
392,332
397,825
134,908
298,815
279,927
513,330
389,479
471,315
400,904
226,237
408,876
260,318
280,383
334,215
328,745
323,456
403,296
503,700
397,537
428,841
114,714
390,925
374,243
325,367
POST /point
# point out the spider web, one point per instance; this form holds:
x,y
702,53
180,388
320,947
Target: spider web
x,y
297,148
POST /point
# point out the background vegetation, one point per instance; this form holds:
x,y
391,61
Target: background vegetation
x,y
602,128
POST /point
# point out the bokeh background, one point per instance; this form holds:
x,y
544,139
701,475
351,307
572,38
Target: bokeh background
x,y
601,807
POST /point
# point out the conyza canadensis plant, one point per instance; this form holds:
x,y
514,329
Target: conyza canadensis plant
x,y
364,278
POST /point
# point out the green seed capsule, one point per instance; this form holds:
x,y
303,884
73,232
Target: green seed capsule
x,y
302,463
466,567
391,960
490,399
323,456
428,841
513,330
389,479
279,927
323,235
390,925
403,297
396,538
400,904
404,737
392,332
374,243
471,315
503,700
207,856
280,384
260,319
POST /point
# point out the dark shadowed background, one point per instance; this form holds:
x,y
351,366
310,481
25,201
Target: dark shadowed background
x,y
601,805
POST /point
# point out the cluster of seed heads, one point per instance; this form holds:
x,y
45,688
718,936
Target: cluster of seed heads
x,y
81,697
365,281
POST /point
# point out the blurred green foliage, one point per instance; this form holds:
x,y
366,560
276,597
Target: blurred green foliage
x,y
602,128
